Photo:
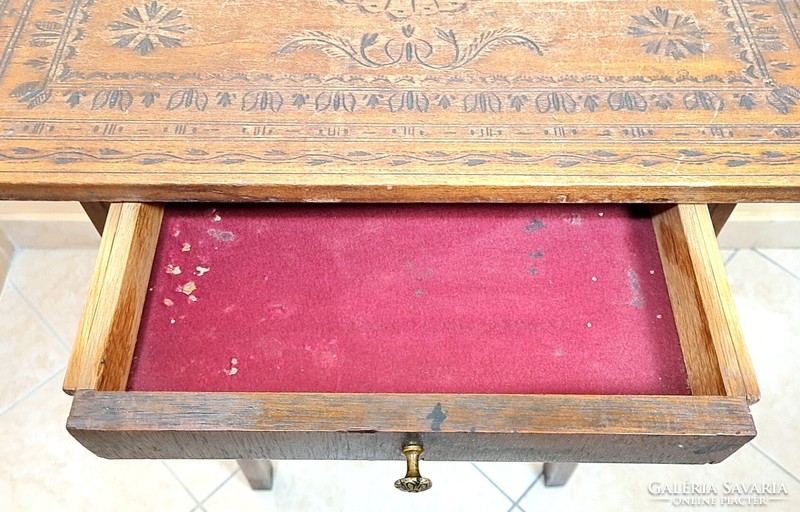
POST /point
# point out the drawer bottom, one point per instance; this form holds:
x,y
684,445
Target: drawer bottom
x,y
522,299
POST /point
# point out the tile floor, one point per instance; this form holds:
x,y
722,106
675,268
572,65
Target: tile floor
x,y
43,469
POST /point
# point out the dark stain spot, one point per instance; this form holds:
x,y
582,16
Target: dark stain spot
x,y
533,271
637,300
534,225
573,220
437,416
222,236
472,430
539,254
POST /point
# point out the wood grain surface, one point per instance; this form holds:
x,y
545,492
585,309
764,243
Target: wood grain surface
x,y
103,349
556,428
713,346
354,100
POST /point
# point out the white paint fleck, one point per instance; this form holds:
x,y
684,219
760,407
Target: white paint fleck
x,y
588,324
659,317
187,288
234,361
172,320
186,247
600,214
233,371
652,272
201,270
594,278
217,218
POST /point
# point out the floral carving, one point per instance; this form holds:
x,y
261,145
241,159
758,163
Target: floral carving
x,y
145,27
443,53
673,35
404,9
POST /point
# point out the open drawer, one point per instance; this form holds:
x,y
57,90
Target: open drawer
x,y
552,333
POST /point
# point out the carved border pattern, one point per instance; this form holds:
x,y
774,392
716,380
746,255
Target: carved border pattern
x,y
15,33
397,160
347,100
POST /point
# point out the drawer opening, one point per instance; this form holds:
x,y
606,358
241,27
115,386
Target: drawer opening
x,y
680,392
509,299
517,299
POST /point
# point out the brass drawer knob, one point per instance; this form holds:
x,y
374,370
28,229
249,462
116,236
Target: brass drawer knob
x,y
413,482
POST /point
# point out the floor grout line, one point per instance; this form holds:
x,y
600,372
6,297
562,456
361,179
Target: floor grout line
x,y
778,464
757,251
180,482
220,486
533,484
38,313
730,256
32,391
494,484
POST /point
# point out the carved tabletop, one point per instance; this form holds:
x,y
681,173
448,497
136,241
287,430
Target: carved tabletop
x,y
454,100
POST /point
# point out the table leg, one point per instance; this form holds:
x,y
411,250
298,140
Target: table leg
x,y
720,214
97,213
258,473
557,473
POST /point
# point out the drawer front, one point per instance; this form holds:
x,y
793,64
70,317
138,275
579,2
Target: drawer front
x,y
705,427
375,426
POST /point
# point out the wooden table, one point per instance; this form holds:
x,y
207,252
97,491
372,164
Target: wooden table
x,y
675,101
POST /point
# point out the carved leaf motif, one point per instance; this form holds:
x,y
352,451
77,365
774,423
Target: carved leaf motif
x,y
168,42
119,99
133,13
49,26
121,25
187,98
26,90
145,46
174,14
414,49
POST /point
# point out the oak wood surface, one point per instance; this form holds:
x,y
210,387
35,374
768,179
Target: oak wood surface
x,y
714,352
97,213
720,213
557,428
103,349
353,100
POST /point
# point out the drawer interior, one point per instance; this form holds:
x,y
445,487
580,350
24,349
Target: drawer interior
x,y
442,333
517,299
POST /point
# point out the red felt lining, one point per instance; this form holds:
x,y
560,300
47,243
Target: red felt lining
x,y
409,299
